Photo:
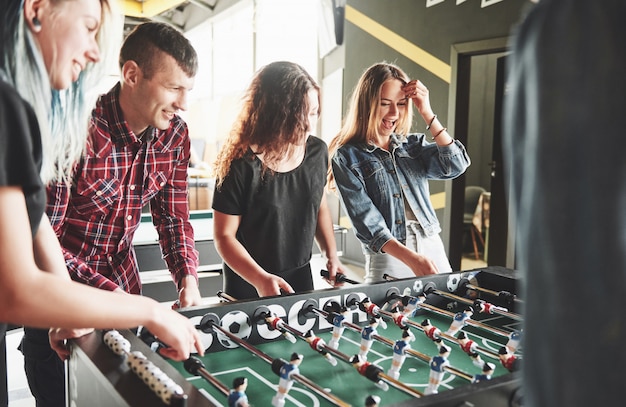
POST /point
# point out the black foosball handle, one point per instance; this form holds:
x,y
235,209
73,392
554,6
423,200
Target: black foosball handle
x,y
339,277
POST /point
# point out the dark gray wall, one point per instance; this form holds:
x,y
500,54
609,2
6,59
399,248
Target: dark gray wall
x,y
434,29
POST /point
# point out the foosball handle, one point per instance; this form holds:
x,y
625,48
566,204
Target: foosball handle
x,y
339,277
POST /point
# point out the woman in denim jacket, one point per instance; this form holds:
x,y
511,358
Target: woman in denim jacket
x,y
382,173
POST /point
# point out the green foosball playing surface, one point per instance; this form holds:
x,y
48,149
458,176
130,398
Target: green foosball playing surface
x,y
343,380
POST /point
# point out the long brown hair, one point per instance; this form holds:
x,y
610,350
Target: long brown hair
x,y
274,116
360,125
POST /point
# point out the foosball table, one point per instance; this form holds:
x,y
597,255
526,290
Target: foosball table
x,y
443,340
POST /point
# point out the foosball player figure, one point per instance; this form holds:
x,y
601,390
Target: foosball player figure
x,y
459,321
399,352
487,308
399,318
287,370
469,346
487,371
369,370
411,304
437,369
514,340
367,336
372,401
237,396
432,332
508,359
367,306
337,319
318,344
275,322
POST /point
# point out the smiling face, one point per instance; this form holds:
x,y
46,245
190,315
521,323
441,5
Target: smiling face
x,y
66,36
392,107
158,98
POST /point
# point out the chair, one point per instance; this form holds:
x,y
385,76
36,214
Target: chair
x,y
472,197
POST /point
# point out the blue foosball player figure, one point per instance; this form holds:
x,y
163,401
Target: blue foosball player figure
x,y
486,373
286,372
459,321
399,352
437,369
367,337
237,396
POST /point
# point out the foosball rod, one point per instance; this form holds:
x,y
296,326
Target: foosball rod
x,y
221,294
507,296
309,307
209,322
395,295
353,301
386,341
194,366
430,289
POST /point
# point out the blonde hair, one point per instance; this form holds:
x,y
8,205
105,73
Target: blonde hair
x,y
360,125
63,115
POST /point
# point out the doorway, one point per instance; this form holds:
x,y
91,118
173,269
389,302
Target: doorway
x,y
476,94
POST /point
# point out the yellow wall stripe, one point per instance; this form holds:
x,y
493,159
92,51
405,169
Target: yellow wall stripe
x,y
393,40
147,9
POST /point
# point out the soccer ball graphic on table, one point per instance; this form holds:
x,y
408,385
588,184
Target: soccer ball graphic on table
x,y
453,282
237,323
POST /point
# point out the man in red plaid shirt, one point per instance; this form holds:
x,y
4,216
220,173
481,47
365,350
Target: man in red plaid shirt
x,y
137,153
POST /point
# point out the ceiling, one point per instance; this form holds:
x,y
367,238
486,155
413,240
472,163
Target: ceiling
x,y
183,14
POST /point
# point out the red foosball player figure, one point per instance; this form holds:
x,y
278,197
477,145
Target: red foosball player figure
x,y
369,370
459,321
469,346
399,352
437,369
372,401
514,340
318,344
367,306
399,318
508,359
337,319
431,331
237,396
487,371
487,308
275,322
286,381
367,337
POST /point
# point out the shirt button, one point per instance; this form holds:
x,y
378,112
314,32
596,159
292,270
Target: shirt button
x,y
132,187
129,217
110,258
162,184
98,193
398,222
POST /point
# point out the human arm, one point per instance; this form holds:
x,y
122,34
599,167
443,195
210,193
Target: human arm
x,y
170,216
325,237
418,92
28,296
239,260
371,226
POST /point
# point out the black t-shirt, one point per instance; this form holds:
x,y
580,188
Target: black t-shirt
x,y
278,215
20,151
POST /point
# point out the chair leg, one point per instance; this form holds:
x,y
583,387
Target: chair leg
x,y
473,232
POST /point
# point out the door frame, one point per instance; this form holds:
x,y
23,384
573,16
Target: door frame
x,y
458,123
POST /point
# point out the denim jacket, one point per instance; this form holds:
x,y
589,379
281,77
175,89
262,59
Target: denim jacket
x,y
373,182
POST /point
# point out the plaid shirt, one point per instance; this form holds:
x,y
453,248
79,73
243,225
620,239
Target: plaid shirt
x,y
96,216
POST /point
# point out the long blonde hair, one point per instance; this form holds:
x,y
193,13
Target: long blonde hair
x,y
360,125
63,115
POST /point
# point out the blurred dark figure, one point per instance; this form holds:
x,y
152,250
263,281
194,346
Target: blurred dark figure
x,y
565,141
